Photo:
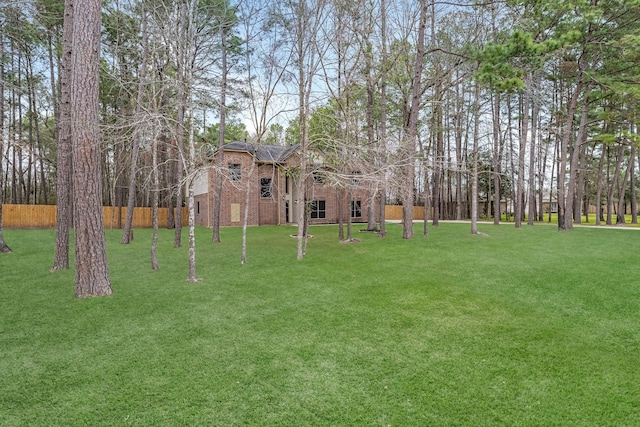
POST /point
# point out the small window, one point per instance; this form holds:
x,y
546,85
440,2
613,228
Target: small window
x,y
318,209
265,187
356,177
318,178
235,172
356,209
197,207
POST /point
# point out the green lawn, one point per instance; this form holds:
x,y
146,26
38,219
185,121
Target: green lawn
x,y
590,220
528,327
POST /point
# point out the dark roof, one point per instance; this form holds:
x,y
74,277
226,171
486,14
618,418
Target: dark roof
x,y
263,152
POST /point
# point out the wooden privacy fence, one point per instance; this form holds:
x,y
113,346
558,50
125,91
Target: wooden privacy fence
x,y
44,216
394,212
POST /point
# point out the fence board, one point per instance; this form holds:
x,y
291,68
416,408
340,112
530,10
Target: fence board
x,y
44,216
394,212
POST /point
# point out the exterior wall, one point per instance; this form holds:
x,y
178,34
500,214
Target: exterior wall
x,y
203,210
272,210
278,209
233,192
201,197
331,196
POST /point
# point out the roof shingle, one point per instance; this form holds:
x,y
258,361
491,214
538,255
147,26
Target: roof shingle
x,y
263,152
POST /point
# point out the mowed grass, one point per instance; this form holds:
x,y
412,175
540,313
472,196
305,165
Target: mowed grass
x,y
528,327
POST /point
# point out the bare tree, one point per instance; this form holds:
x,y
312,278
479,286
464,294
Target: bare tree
x,y
187,54
64,161
127,234
265,70
154,200
303,21
224,32
4,248
382,146
411,127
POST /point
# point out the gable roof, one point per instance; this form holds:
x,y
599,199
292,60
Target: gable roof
x,y
262,152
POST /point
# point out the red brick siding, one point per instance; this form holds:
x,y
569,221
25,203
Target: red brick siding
x,y
267,211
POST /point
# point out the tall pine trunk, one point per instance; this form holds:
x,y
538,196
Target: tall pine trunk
x,y
92,273
620,219
524,135
535,108
497,161
474,177
64,160
572,188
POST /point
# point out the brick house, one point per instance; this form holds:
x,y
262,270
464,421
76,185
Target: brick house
x,y
265,170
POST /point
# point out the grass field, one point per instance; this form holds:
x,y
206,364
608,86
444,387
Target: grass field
x,y
528,327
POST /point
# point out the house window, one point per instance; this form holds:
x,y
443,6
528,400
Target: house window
x,y
197,207
356,177
356,209
318,209
265,187
235,172
318,178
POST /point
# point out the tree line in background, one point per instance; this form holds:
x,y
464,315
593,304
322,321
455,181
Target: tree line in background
x,y
495,109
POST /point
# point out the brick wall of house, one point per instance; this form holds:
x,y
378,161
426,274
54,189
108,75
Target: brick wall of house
x,y
272,209
233,192
267,210
202,210
331,196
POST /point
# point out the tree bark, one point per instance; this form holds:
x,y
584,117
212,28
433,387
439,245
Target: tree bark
x,y
371,203
191,169
411,129
632,189
92,273
127,234
535,108
497,153
474,182
64,162
383,119
620,219
221,130
155,179
245,219
570,210
154,201
613,184
459,158
524,135
4,248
